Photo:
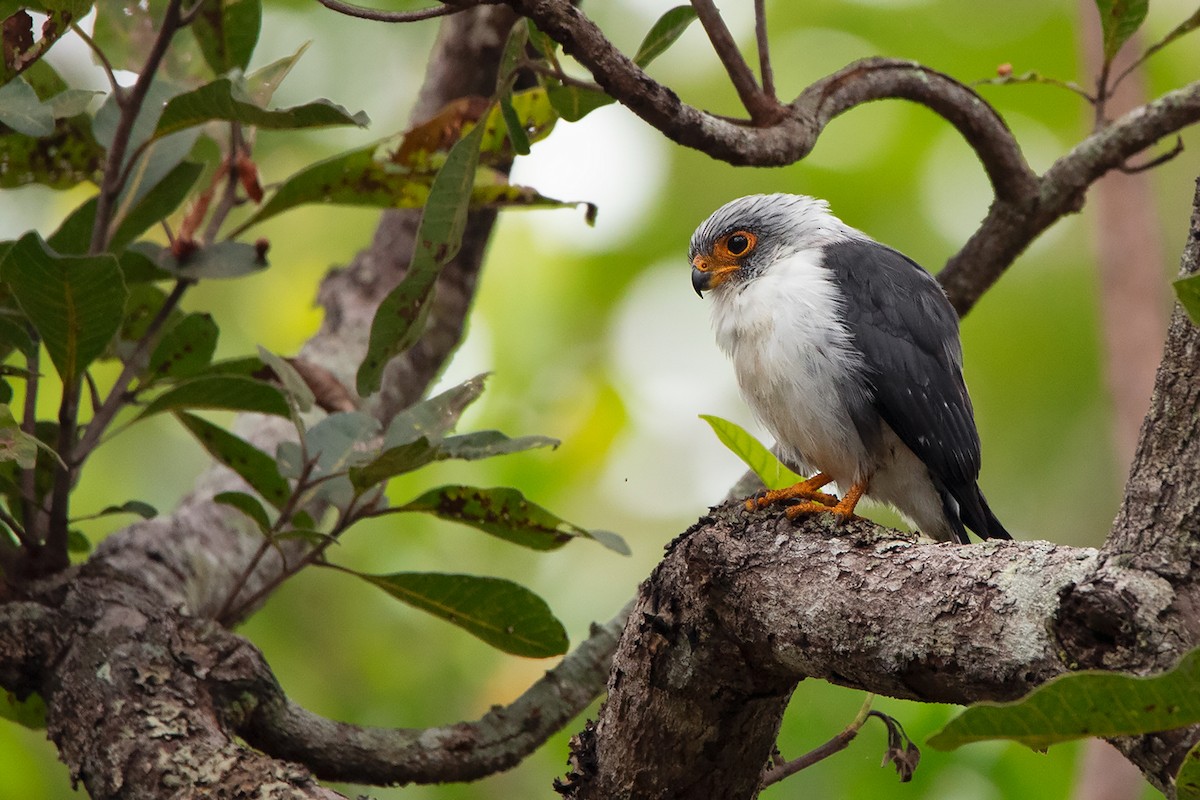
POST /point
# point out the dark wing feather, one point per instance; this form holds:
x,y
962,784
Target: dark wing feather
x,y
907,332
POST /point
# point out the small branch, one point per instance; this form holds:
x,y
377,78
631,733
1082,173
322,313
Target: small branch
x,y
376,15
31,511
113,181
1157,161
776,773
109,73
762,109
764,51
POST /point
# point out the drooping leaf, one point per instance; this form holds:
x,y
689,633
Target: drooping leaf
x,y
247,504
510,60
503,614
663,33
1083,704
1188,291
227,31
574,103
23,111
399,320
1187,780
1120,19
505,513
253,465
227,392
435,417
74,302
185,348
770,470
222,100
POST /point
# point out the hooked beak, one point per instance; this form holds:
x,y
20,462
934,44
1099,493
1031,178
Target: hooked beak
x,y
708,272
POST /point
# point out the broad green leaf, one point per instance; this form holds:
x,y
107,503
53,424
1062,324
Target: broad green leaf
x,y
532,112
248,505
141,307
1187,780
142,509
19,32
125,31
78,542
159,161
137,267
253,465
222,100
399,319
504,614
154,205
21,110
227,392
516,131
108,118
435,417
394,461
262,83
1120,19
185,349
14,335
770,470
15,444
421,451
1083,704
70,103
289,378
74,302
227,31
485,444
1188,292
573,103
220,260
505,513
28,713
510,60
336,443
663,33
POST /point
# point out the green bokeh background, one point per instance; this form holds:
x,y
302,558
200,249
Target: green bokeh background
x,y
594,337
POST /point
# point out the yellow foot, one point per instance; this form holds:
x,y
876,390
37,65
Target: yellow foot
x,y
805,490
843,509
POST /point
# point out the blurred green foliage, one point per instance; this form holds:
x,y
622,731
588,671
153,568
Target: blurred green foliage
x,y
595,339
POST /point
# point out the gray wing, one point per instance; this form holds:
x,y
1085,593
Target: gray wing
x,y
907,332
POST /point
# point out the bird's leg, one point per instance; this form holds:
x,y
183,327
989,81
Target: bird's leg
x,y
844,508
804,490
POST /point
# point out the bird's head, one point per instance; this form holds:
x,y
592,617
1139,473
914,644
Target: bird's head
x,y
743,238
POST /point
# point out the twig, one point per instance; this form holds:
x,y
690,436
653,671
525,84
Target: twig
x,y
776,773
762,108
1157,161
764,51
109,73
376,15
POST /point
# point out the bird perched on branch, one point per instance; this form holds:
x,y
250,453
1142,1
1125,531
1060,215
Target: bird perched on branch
x,y
848,352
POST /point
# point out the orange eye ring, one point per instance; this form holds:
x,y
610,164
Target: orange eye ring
x,y
736,244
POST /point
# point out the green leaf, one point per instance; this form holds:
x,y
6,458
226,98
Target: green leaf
x,y
14,335
1188,291
336,443
1083,704
435,417
1187,780
394,461
516,130
228,392
421,451
21,110
253,465
15,444
248,505
505,513
220,260
399,319
573,103
1187,26
770,470
1120,19
294,385
222,100
262,83
485,444
185,349
506,615
663,33
154,204
74,234
74,302
67,157
142,509
227,31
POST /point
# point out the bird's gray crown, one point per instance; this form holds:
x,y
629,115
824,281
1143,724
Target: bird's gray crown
x,y
782,223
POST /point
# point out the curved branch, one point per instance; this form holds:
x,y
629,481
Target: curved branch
x,y
378,15
460,752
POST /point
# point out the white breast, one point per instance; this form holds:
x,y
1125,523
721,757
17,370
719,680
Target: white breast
x,y
794,361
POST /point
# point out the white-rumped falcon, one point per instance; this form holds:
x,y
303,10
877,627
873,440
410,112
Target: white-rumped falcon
x,y
848,352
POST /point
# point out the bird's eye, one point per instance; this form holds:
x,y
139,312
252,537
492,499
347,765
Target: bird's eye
x,y
740,243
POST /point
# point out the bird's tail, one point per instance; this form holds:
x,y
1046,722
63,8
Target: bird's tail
x,y
974,513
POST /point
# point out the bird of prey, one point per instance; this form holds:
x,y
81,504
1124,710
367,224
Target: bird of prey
x,y
848,352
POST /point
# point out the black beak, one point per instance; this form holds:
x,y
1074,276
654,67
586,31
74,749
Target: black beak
x,y
699,281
